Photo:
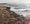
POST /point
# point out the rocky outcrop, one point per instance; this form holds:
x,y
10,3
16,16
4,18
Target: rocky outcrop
x,y
9,16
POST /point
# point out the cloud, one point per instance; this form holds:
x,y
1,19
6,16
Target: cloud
x,y
15,1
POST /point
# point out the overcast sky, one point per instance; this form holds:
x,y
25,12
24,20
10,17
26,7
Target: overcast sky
x,y
15,1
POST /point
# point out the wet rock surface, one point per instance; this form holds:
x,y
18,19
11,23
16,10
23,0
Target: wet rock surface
x,y
10,17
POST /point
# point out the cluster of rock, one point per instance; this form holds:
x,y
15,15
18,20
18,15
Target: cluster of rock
x,y
9,17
